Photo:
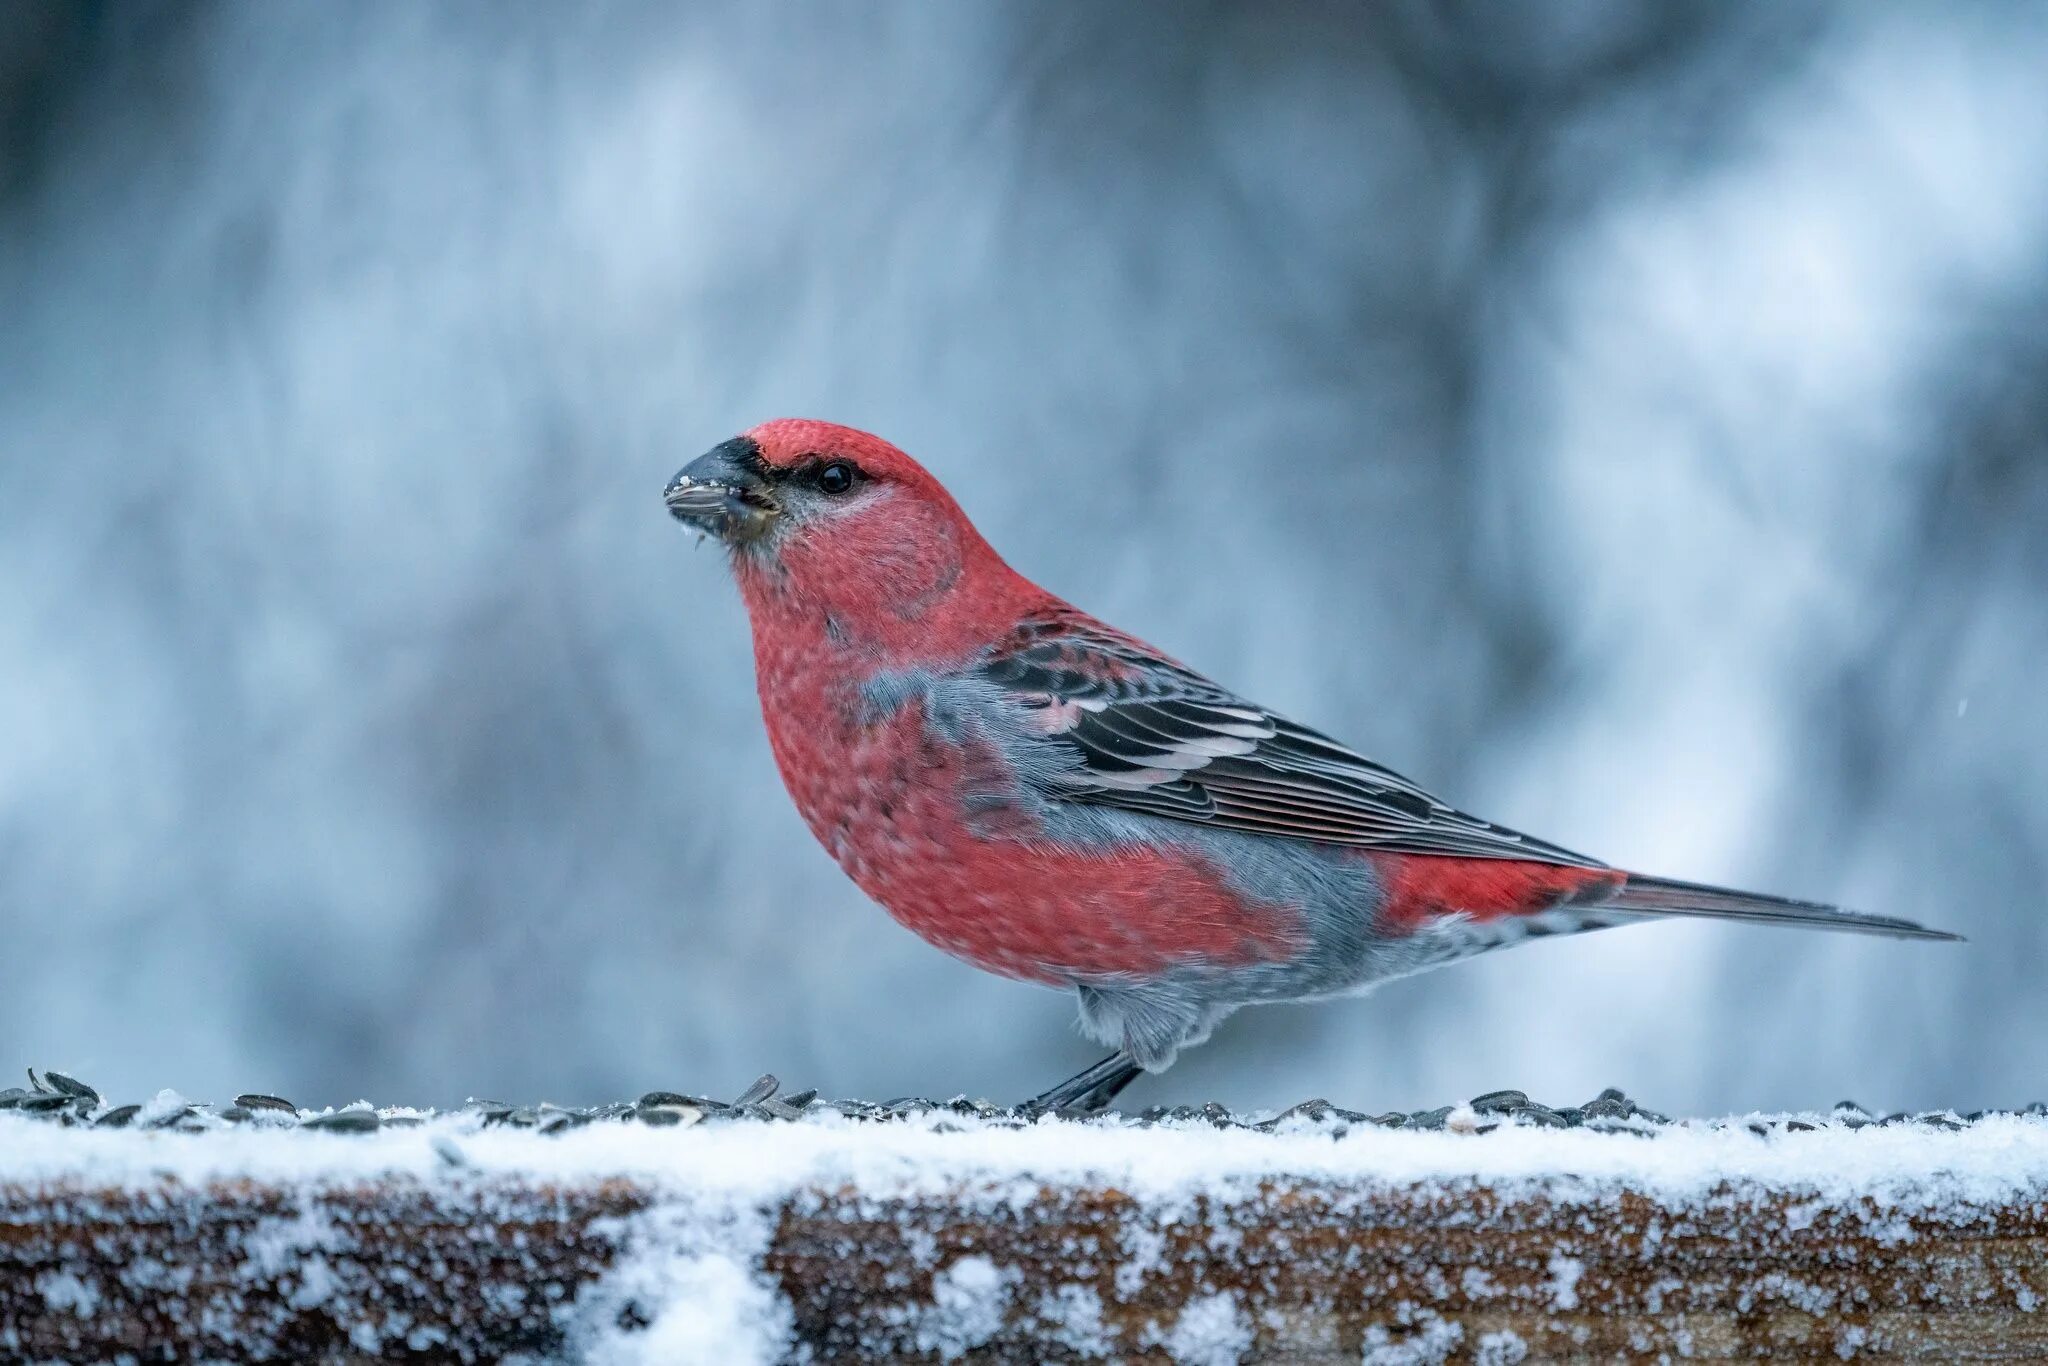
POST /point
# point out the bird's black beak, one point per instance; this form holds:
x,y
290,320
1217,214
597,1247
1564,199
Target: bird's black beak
x,y
726,491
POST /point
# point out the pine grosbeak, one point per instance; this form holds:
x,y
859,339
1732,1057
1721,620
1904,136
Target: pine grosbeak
x,y
1054,800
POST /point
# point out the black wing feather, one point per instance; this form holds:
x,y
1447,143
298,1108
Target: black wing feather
x,y
1154,736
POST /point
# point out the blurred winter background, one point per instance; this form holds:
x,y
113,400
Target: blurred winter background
x,y
1630,419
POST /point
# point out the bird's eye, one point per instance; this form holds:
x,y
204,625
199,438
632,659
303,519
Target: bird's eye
x,y
836,477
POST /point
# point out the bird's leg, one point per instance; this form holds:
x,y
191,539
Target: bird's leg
x,y
1087,1091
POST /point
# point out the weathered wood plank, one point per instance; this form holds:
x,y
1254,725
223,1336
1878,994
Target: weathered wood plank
x,y
475,1266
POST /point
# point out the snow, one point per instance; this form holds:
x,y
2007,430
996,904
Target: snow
x,y
688,1282
1210,1330
1436,1341
159,1106
62,1290
1071,1317
1911,1167
969,1300
1564,1280
704,1306
1501,1348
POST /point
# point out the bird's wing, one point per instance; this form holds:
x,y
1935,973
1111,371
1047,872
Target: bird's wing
x,y
1155,736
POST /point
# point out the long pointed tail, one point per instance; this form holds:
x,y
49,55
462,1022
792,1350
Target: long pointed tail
x,y
1668,896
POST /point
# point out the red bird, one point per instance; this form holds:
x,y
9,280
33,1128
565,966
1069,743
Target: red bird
x,y
1056,801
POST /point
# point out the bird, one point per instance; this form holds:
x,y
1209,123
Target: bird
x,y
1052,799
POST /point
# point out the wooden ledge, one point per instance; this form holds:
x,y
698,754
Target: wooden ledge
x,y
878,1242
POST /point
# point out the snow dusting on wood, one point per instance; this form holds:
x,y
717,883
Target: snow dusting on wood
x,y
778,1228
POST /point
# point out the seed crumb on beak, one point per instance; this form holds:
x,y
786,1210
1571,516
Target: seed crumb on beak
x,y
734,511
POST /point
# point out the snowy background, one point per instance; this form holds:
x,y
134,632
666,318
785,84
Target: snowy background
x,y
1627,419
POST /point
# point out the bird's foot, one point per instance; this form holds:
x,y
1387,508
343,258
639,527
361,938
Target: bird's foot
x,y
1087,1092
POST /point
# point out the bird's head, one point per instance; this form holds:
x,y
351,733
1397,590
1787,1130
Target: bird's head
x,y
832,516
790,479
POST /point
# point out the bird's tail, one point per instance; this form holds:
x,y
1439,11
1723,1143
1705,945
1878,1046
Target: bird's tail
x,y
1656,896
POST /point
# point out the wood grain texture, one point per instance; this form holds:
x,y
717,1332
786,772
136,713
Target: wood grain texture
x,y
476,1268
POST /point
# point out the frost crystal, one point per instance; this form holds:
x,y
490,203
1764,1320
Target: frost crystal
x,y
1501,1349
969,1299
1564,1280
1209,1331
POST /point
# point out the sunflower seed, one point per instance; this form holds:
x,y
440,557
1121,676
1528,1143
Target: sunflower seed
x,y
1541,1115
653,1098
70,1086
764,1086
664,1116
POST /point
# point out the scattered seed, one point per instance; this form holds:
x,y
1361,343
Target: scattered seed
x,y
764,1086
670,1115
1540,1115
69,1086
654,1098
66,1100
1314,1111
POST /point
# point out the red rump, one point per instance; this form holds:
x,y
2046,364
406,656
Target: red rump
x,y
1423,887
